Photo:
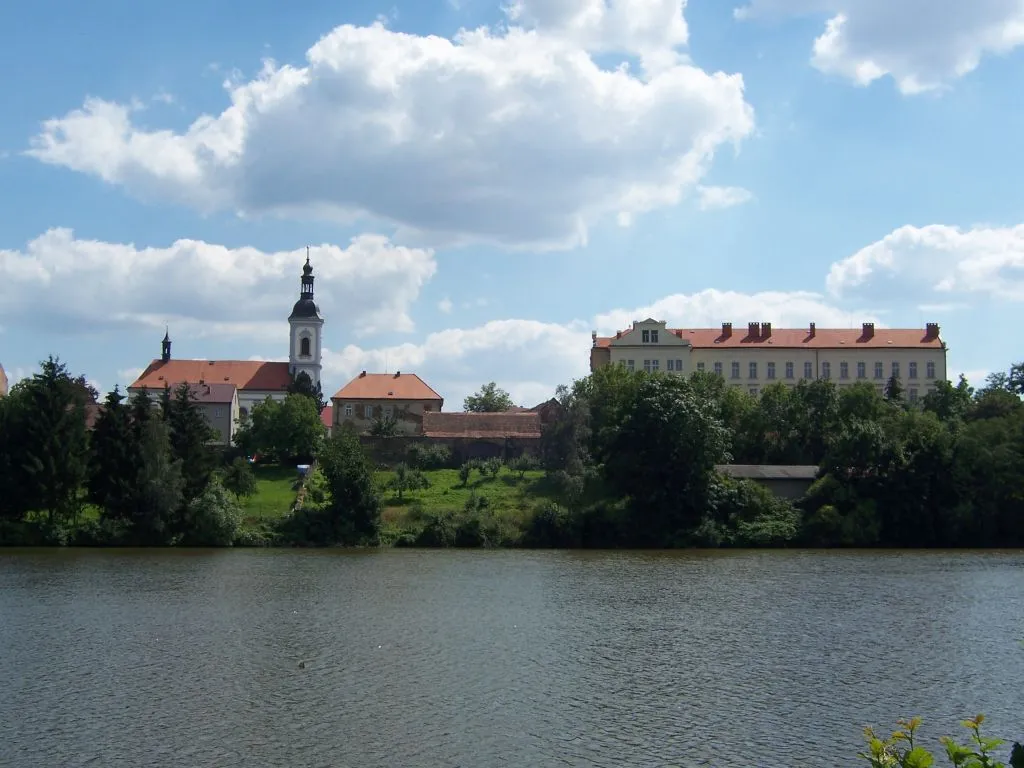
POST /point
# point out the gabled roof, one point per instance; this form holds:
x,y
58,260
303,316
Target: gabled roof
x,y
482,425
246,375
794,338
387,386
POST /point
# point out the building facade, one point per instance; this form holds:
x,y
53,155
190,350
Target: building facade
x,y
3,382
370,397
253,380
760,355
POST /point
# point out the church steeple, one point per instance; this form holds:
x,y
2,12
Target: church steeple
x,y
306,330
165,351
306,306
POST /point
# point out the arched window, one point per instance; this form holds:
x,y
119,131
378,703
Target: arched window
x,y
304,347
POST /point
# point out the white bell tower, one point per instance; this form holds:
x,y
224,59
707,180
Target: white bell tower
x,y
306,324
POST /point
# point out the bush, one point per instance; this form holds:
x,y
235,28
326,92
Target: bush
x,y
902,751
430,456
756,516
213,518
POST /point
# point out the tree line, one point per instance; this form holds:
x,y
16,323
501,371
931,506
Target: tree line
x,y
635,454
630,460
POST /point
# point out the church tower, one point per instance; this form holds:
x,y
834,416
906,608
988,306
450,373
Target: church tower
x,y
306,330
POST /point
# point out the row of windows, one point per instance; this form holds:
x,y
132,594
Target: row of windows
x,y
649,336
913,393
387,411
676,365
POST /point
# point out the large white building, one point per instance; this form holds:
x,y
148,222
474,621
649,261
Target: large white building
x,y
763,355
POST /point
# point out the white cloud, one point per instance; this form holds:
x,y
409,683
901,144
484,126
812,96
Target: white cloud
x,y
975,378
514,135
651,29
713,198
935,261
445,305
206,289
923,45
710,308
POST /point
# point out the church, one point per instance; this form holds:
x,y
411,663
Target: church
x,y
229,389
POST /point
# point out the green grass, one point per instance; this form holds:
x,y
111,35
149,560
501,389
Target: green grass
x,y
275,493
508,496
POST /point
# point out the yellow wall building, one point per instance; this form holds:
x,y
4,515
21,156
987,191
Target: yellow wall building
x,y
759,355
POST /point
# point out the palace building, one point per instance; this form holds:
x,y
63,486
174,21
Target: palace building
x,y
764,355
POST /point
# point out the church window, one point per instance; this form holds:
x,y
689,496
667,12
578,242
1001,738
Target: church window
x,y
304,347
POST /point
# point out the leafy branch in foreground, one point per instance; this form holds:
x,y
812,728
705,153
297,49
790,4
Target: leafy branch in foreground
x,y
901,751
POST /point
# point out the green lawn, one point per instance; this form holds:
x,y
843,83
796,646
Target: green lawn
x,y
275,493
507,494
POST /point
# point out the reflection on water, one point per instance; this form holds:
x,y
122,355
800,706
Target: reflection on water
x,y
444,658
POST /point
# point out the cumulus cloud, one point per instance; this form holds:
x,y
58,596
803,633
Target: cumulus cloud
x,y
514,135
445,305
206,289
922,45
714,198
935,261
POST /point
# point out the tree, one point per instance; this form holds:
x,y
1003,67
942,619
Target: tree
x,y
159,488
384,426
110,484
213,518
947,402
489,399
302,384
190,440
354,509
284,431
238,478
55,448
662,458
893,390
406,479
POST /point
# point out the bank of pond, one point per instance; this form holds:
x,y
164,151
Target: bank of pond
x,y
624,459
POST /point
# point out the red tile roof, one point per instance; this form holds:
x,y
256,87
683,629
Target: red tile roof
x,y
796,338
245,375
327,416
387,386
482,425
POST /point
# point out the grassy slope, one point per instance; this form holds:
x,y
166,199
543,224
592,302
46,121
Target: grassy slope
x,y
274,494
509,497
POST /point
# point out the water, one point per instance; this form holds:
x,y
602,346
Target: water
x,y
448,658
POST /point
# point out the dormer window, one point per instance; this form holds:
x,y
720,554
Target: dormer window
x,y
649,336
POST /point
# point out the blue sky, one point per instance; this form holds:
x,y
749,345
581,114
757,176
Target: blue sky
x,y
483,186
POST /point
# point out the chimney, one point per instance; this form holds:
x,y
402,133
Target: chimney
x,y
868,330
361,375
593,337
727,330
812,331
618,334
397,374
931,330
752,330
766,330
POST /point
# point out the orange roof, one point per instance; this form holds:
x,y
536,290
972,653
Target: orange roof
x,y
246,375
386,386
327,416
796,338
482,425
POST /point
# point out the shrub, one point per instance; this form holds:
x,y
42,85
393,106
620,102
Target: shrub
x,y
213,518
902,751
432,456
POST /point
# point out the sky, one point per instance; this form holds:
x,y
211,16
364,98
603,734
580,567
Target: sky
x,y
484,183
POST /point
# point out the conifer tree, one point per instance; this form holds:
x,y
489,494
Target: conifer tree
x,y
114,459
190,437
158,487
55,444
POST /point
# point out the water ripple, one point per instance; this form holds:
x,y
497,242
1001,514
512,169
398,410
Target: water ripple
x,y
192,658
